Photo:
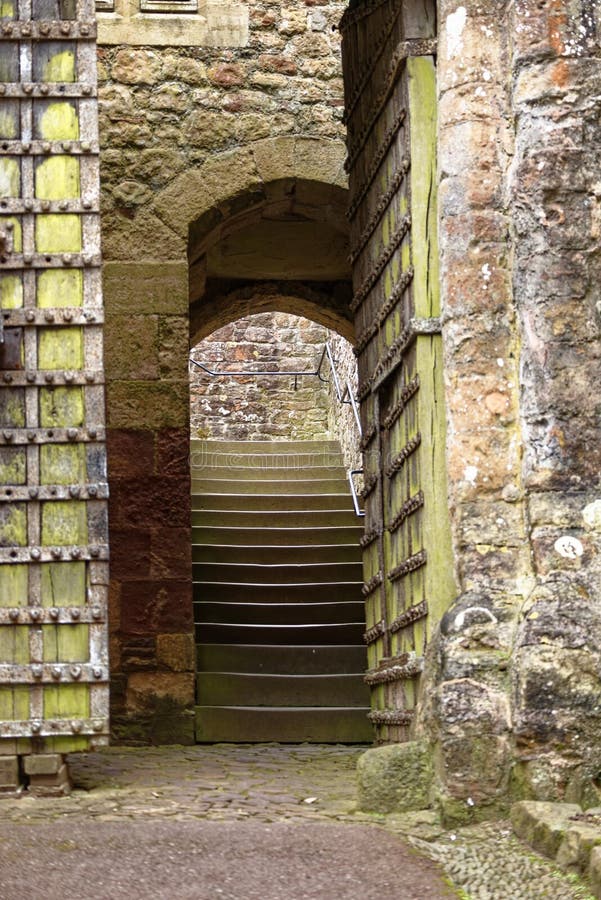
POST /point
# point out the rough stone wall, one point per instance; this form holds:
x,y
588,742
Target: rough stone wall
x,y
341,419
510,696
187,131
516,706
555,191
262,407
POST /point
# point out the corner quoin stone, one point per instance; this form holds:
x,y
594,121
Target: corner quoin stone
x,y
395,778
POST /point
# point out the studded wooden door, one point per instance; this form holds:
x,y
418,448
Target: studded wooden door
x,y
53,518
389,64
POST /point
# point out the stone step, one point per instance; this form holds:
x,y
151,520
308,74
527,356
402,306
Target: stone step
x,y
235,689
264,471
256,537
278,613
235,632
279,616
285,518
229,448
286,725
279,554
280,660
226,591
280,486
287,573
268,502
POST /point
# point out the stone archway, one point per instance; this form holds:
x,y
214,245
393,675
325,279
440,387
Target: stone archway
x,y
148,283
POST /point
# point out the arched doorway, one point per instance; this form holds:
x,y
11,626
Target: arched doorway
x,y
292,658
278,609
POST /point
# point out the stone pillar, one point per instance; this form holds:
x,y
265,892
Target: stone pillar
x,y
555,195
152,644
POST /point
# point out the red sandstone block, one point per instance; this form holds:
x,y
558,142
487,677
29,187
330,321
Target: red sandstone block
x,y
130,454
155,502
151,607
171,553
130,553
173,452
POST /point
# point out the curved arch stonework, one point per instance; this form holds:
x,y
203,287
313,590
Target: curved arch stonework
x,y
326,304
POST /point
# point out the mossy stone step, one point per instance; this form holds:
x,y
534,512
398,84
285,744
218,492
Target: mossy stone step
x,y
278,486
286,725
235,632
236,689
266,470
278,518
285,536
280,554
286,573
271,502
278,613
224,591
275,660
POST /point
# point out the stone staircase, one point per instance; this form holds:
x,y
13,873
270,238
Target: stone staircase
x,y
277,594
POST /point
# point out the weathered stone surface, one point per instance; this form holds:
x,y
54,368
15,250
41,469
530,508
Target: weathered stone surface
x,y
396,778
50,784
9,773
575,849
141,404
594,871
43,764
146,691
144,235
176,652
136,66
132,347
543,825
132,287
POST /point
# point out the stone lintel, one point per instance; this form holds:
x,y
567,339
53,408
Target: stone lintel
x,y
219,25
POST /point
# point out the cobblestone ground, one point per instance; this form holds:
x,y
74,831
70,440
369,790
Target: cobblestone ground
x,y
287,784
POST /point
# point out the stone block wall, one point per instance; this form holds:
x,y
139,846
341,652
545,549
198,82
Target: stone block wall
x,y
147,442
188,131
260,407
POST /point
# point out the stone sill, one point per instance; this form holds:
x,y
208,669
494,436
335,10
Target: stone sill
x,y
219,25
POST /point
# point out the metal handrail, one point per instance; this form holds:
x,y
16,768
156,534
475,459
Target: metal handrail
x,y
243,372
351,472
341,395
344,396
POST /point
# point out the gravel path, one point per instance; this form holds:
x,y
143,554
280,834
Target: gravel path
x,y
292,791
488,863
